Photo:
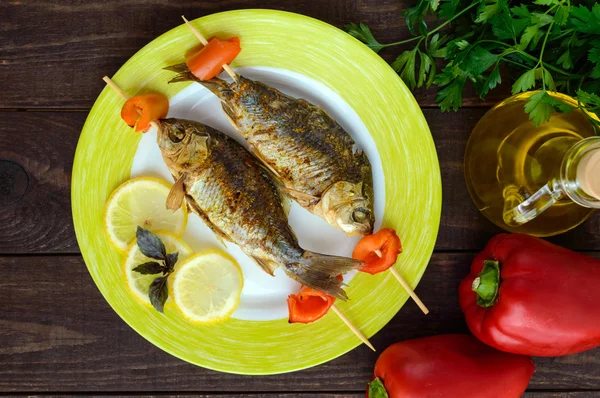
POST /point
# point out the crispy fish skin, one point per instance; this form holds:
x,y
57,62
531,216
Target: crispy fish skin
x,y
308,151
234,194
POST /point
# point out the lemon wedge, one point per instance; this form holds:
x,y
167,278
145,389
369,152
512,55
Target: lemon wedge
x,y
139,283
140,201
206,287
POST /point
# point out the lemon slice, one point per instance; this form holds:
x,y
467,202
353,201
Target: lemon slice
x,y
140,201
139,283
206,287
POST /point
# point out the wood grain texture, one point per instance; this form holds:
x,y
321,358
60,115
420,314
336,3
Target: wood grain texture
x,y
58,334
43,143
534,394
49,66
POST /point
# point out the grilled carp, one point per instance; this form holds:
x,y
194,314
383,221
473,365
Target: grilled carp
x,y
308,151
234,195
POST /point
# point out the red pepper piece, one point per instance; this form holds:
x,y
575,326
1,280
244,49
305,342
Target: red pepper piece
x,y
207,62
389,246
527,296
309,305
452,365
140,110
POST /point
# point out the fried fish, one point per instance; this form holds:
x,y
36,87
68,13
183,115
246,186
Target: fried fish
x,y
306,149
234,195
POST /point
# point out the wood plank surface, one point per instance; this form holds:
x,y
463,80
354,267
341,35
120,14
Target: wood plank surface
x,y
59,335
55,52
534,394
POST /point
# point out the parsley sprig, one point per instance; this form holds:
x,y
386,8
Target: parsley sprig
x,y
546,45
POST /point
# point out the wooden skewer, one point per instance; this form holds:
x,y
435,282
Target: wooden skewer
x,y
203,40
352,327
123,94
411,292
406,287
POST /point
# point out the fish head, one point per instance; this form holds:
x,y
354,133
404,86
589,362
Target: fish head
x,y
182,142
348,206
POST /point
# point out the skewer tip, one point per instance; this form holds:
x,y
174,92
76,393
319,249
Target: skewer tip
x,y
410,291
353,328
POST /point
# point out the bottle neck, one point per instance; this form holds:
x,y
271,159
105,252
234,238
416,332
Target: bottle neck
x,y
580,172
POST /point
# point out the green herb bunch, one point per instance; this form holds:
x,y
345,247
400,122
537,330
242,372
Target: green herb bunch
x,y
550,45
151,246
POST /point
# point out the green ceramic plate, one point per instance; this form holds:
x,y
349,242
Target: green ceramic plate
x,y
412,183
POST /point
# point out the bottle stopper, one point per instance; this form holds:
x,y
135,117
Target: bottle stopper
x,y
588,173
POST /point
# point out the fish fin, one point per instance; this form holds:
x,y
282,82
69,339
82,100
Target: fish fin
x,y
179,68
268,266
273,174
217,86
230,116
220,235
185,76
176,194
286,203
304,199
320,272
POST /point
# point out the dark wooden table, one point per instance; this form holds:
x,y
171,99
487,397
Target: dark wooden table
x,y
59,336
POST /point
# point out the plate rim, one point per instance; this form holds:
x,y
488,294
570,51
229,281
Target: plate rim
x,y
375,58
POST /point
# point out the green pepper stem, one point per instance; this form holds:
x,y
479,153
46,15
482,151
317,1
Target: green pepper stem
x,y
377,389
487,283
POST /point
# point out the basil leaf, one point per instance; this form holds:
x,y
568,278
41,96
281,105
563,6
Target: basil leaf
x,y
171,261
158,292
149,268
150,245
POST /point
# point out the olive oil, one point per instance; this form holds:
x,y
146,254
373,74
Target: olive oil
x,y
508,160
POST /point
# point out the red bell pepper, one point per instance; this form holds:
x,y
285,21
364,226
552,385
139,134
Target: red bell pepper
x,y
527,296
451,365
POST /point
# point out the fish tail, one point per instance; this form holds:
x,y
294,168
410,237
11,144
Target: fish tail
x,y
320,272
217,86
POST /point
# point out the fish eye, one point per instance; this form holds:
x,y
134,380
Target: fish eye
x,y
360,214
176,135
